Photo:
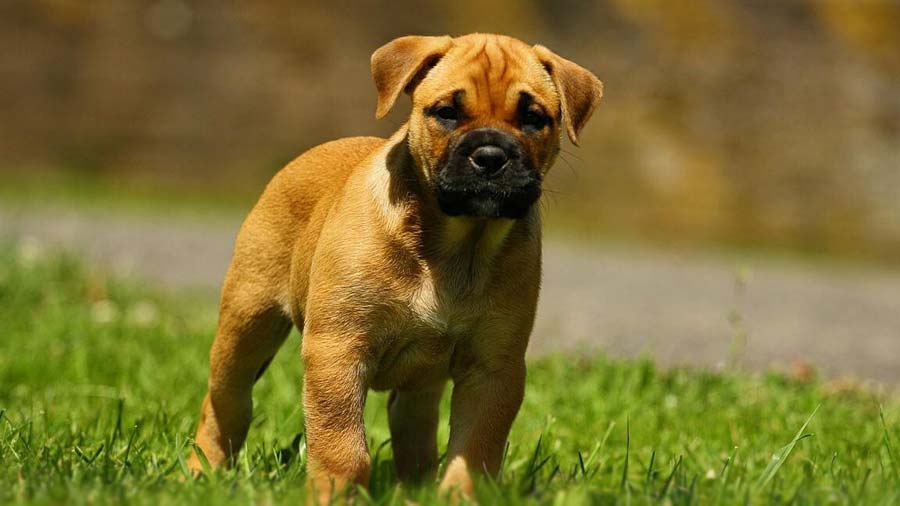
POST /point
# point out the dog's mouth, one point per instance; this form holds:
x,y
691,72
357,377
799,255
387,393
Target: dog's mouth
x,y
488,202
509,195
487,176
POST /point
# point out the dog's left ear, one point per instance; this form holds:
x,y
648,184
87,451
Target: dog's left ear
x,y
401,63
579,90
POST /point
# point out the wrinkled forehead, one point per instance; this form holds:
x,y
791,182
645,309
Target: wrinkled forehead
x,y
490,72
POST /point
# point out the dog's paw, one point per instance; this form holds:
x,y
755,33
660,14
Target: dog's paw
x,y
457,483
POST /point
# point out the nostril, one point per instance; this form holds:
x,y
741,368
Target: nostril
x,y
488,159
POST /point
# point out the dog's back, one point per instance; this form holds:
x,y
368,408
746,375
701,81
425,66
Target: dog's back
x,y
276,240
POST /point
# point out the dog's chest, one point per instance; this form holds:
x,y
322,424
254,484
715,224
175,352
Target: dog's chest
x,y
445,308
436,318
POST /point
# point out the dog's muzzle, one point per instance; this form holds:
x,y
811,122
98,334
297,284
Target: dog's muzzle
x,y
487,175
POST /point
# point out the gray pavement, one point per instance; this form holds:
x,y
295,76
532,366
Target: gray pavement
x,y
690,308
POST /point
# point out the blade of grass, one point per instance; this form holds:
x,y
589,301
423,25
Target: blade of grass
x,y
134,432
204,462
179,453
668,483
649,477
627,452
890,447
782,454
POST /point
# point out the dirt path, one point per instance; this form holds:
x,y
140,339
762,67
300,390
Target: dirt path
x,y
678,308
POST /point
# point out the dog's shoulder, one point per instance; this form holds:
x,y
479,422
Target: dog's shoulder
x,y
319,172
332,157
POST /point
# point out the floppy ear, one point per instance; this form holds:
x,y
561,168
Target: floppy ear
x,y
401,63
579,90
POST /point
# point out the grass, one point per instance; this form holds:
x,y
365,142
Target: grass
x,y
126,195
101,380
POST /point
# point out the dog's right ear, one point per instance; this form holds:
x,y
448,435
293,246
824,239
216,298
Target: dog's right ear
x,y
401,63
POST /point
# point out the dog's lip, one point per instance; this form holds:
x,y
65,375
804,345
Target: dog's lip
x,y
451,194
502,182
486,187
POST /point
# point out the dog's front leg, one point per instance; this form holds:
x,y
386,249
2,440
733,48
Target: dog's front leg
x,y
334,395
484,403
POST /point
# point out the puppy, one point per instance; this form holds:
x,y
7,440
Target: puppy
x,y
406,262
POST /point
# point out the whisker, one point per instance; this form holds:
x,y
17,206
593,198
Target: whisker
x,y
572,154
569,165
550,194
553,191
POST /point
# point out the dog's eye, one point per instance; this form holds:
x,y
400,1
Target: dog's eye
x,y
534,119
447,113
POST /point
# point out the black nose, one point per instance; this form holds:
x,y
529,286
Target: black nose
x,y
488,160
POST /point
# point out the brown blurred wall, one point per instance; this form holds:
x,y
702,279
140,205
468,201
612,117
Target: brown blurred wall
x,y
724,120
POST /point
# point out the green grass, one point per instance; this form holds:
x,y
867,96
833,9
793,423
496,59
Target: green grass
x,y
126,195
101,380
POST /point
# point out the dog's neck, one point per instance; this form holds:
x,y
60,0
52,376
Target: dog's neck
x,y
408,209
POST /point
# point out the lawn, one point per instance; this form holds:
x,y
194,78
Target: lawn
x,y
101,380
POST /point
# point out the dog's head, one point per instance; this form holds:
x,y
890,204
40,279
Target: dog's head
x,y
488,112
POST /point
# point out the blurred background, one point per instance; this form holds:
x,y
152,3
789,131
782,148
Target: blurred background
x,y
741,121
757,128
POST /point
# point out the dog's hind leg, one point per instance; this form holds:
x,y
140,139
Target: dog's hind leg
x,y
248,337
413,417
